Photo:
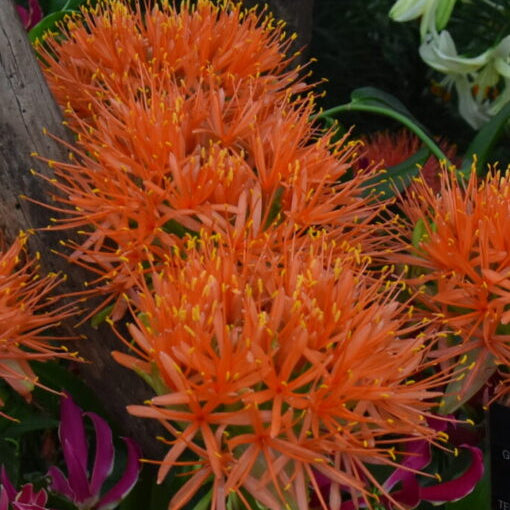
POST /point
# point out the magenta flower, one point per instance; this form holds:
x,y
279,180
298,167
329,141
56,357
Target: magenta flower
x,y
31,16
78,487
410,493
24,499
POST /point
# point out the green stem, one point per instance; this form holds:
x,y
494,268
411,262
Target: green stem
x,y
431,145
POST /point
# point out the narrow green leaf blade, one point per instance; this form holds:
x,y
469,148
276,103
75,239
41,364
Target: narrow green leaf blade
x,y
397,177
30,424
47,23
484,141
101,316
375,97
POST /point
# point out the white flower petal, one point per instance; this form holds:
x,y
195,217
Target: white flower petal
x,y
502,57
501,100
406,10
440,53
473,112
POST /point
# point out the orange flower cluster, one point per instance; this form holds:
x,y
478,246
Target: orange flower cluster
x,y
284,365
459,251
27,313
215,212
179,131
110,49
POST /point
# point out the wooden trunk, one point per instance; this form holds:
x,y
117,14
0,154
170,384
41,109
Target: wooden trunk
x,y
27,111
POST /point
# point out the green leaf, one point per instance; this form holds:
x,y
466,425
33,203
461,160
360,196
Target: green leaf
x,y
453,398
30,424
484,142
372,100
47,23
55,5
73,4
421,232
58,376
10,457
101,316
174,227
397,177
28,417
60,502
154,379
161,494
275,208
205,502
376,97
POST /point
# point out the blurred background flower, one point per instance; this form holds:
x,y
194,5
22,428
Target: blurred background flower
x,y
25,499
82,488
29,313
31,15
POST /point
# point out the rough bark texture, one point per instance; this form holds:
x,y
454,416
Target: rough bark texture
x,y
27,110
298,14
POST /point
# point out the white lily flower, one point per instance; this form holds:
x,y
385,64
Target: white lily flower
x,y
502,67
440,53
406,10
502,99
482,83
474,112
502,57
435,13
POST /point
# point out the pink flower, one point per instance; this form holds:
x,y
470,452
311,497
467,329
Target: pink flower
x,y
403,485
78,487
24,499
31,16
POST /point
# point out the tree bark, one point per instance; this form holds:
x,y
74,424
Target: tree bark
x,y
298,14
27,112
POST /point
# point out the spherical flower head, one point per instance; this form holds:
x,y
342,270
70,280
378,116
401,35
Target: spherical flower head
x,y
27,311
458,251
110,45
388,149
276,367
172,141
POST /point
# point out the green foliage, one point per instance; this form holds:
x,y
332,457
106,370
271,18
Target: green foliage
x,y
480,150
64,377
399,176
32,425
46,24
375,101
101,316
55,11
357,45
